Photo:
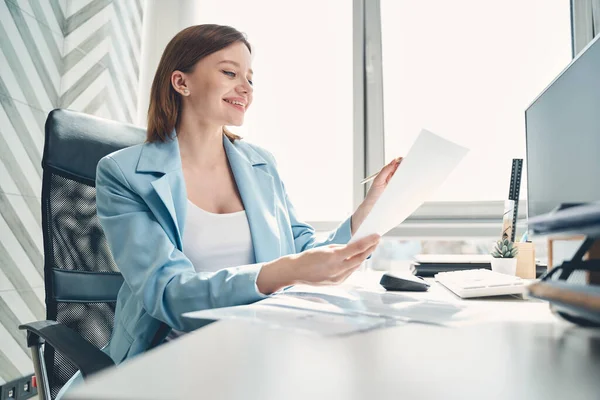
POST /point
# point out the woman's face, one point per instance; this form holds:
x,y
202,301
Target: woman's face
x,y
219,87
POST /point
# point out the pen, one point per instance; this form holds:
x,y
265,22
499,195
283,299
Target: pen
x,y
371,177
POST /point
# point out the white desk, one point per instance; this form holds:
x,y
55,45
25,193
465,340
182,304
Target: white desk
x,y
517,350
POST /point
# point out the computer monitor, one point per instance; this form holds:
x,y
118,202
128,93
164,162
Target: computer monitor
x,y
563,137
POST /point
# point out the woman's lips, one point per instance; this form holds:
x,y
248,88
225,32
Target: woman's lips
x,y
241,108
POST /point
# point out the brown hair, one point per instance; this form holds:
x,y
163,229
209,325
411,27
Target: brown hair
x,y
181,54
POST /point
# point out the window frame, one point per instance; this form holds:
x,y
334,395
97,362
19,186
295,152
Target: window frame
x,y
433,219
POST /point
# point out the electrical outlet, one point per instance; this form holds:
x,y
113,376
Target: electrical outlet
x,y
19,389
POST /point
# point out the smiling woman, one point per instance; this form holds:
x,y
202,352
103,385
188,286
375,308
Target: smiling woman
x,y
201,74
197,218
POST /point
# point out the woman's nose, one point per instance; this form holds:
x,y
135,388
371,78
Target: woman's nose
x,y
246,87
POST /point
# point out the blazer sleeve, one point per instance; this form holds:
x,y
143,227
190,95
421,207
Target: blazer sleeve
x,y
304,234
160,275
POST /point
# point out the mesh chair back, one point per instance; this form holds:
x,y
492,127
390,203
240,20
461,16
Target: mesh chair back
x,y
81,277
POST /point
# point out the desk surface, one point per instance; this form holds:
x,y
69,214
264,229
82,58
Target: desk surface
x,y
518,351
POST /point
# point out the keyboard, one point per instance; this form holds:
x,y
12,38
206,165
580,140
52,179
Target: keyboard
x,y
480,283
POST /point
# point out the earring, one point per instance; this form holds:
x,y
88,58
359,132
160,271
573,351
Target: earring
x,y
186,92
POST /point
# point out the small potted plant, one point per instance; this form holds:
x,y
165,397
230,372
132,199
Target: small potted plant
x,y
503,257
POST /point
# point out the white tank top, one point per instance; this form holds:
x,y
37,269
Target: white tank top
x,y
216,241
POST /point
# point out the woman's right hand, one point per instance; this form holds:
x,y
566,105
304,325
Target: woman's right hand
x,y
328,265
325,265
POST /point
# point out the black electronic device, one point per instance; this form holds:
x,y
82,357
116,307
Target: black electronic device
x,y
403,282
563,197
563,137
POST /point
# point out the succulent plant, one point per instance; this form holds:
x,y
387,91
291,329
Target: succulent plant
x,y
505,249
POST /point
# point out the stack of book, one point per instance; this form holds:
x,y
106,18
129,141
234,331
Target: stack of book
x,y
427,265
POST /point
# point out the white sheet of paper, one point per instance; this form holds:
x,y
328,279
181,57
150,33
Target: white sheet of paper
x,y
423,170
298,314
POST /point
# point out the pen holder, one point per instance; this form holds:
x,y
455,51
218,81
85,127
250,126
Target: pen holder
x,y
526,260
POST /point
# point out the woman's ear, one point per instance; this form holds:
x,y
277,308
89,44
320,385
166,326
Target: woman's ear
x,y
178,81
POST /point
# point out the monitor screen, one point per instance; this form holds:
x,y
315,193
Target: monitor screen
x,y
563,137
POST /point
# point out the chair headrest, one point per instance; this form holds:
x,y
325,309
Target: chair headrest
x,y
75,142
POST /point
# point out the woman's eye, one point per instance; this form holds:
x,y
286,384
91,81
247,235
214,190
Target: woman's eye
x,y
233,76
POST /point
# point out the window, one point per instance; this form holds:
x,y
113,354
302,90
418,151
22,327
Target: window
x,y
467,70
302,109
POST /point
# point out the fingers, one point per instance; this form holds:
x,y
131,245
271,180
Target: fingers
x,y
353,264
359,258
387,172
394,163
346,267
341,278
359,246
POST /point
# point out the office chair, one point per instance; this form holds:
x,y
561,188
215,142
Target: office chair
x,y
80,275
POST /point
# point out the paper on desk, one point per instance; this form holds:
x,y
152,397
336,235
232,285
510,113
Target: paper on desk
x,y
423,170
296,314
405,307
337,310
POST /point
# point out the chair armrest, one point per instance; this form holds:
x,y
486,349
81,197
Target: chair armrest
x,y
87,357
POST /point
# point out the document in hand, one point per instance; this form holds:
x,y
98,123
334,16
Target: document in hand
x,y
428,163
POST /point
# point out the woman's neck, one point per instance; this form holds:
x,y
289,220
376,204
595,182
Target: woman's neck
x,y
200,146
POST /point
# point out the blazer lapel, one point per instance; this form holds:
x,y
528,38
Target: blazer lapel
x,y
164,188
170,188
256,189
253,181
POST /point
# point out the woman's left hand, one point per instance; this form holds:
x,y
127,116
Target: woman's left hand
x,y
381,181
377,187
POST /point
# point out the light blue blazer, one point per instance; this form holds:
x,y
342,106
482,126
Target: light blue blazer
x,y
142,203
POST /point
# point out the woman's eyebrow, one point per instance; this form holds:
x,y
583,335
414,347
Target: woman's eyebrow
x,y
234,63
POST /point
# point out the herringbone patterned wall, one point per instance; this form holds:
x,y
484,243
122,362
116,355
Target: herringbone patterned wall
x,y
77,54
